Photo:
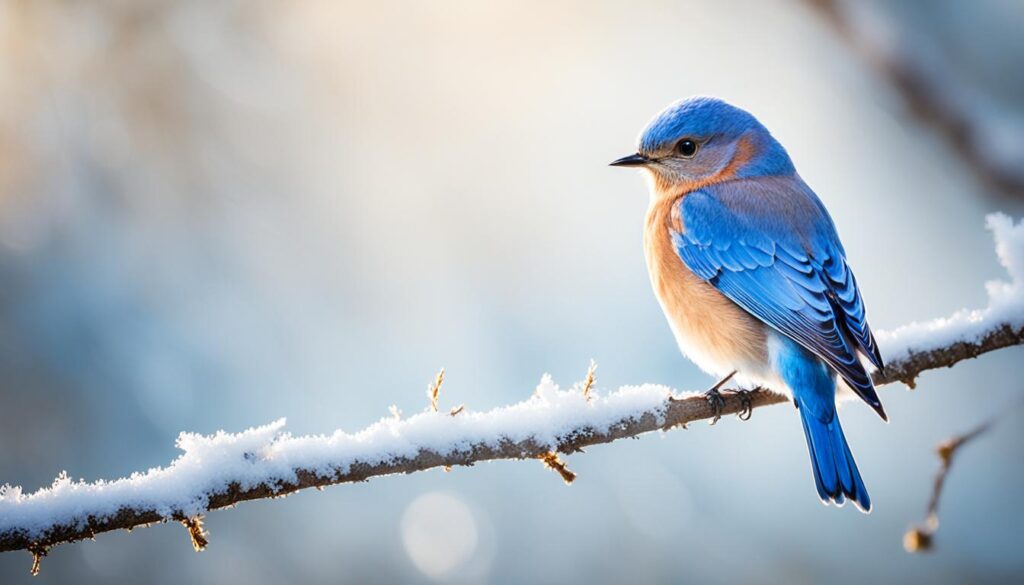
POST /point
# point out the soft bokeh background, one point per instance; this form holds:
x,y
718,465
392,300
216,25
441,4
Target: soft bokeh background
x,y
214,214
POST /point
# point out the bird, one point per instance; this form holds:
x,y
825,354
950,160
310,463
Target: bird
x,y
752,277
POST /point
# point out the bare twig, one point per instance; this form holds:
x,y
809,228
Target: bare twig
x,y
38,552
670,414
434,390
921,538
588,383
196,532
553,461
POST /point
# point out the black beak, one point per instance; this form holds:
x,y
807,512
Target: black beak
x,y
633,160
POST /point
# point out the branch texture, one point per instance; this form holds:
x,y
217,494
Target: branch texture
x,y
666,414
225,469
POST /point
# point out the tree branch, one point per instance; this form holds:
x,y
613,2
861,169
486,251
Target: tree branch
x,y
225,469
671,412
935,98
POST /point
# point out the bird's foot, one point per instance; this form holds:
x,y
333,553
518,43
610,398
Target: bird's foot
x,y
717,402
715,398
747,403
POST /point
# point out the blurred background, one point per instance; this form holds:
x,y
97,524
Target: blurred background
x,y
214,214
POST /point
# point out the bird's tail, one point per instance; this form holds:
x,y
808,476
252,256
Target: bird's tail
x,y
835,471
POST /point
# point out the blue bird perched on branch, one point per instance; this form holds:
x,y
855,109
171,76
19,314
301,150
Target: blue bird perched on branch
x,y
753,279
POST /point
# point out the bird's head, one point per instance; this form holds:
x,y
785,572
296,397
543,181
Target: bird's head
x,y
701,140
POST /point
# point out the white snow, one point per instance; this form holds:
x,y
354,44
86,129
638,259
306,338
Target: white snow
x,y
1005,303
268,454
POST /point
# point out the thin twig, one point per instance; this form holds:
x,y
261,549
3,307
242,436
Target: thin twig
x,y
38,552
434,390
588,383
921,538
553,461
196,532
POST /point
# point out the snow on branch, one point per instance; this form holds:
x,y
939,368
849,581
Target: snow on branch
x,y
224,469
913,348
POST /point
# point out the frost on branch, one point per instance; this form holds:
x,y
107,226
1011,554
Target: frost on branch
x,y
224,469
966,333
218,470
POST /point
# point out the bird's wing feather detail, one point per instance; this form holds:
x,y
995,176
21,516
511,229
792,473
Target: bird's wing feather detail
x,y
783,263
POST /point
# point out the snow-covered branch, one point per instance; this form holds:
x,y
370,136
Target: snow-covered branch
x,y
224,469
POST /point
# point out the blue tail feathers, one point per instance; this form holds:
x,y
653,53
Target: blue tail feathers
x,y
813,384
835,472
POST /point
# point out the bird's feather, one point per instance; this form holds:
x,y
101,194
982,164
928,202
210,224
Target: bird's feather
x,y
770,246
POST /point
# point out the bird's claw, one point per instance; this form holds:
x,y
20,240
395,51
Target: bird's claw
x,y
715,398
717,402
746,403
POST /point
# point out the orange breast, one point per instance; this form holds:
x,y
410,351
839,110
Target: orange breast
x,y
717,334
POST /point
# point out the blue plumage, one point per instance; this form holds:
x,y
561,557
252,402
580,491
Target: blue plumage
x,y
814,387
706,118
730,208
774,251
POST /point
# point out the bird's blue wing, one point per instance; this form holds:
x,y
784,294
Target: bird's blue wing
x,y
776,254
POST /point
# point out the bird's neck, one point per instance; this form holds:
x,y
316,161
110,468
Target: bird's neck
x,y
663,189
766,157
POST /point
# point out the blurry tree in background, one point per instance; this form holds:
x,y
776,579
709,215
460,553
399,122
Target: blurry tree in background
x,y
969,91
213,214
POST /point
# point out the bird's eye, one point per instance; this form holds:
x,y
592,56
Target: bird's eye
x,y
686,147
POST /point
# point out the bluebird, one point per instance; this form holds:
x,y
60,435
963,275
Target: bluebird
x,y
751,275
